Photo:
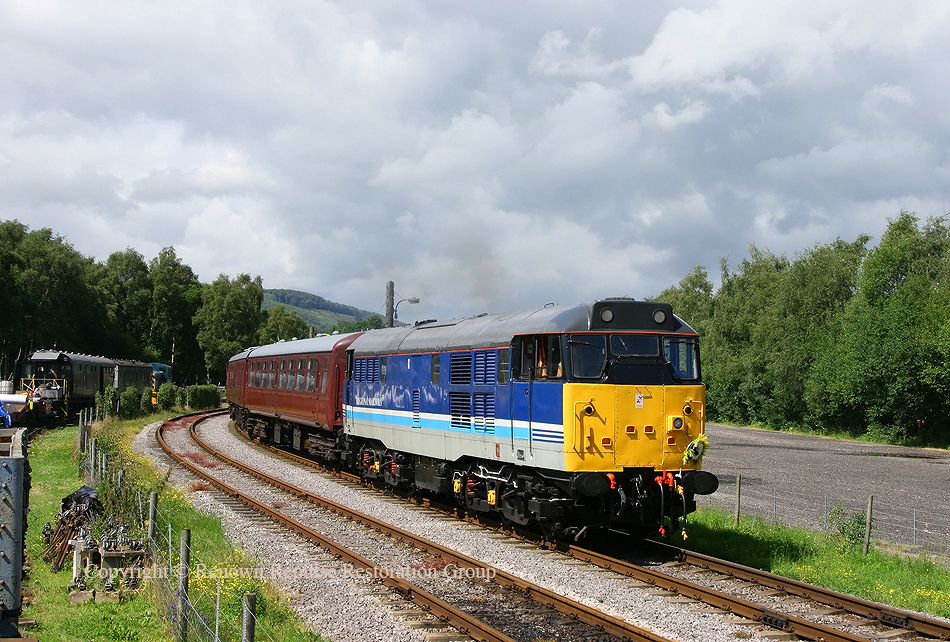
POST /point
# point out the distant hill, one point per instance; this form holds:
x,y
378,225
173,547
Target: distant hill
x,y
317,311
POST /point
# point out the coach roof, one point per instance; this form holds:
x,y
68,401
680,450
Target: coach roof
x,y
323,343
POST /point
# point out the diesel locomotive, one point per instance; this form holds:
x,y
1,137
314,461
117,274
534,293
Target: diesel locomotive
x,y
567,417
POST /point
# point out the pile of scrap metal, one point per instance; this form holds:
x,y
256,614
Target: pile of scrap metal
x,y
72,524
73,533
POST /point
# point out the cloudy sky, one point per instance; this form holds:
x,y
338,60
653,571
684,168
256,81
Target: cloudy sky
x,y
485,156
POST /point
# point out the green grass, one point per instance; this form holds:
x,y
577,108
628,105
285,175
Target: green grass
x,y
53,476
833,561
145,616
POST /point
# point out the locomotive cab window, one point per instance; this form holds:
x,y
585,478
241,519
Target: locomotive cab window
x,y
539,357
588,355
683,355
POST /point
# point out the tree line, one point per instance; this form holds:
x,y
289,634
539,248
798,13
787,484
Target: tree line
x,y
839,339
53,297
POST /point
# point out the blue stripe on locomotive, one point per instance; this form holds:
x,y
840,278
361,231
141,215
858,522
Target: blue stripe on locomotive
x,y
392,402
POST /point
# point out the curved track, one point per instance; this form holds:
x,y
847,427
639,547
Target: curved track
x,y
459,619
892,619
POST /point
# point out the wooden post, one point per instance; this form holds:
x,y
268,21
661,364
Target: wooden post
x,y
91,460
249,618
152,516
738,496
867,526
182,605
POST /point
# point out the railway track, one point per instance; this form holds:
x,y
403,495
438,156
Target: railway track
x,y
873,620
483,614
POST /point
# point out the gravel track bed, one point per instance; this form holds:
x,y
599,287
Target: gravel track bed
x,y
522,620
337,605
583,583
769,598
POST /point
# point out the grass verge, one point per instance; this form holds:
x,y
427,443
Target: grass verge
x,y
146,615
831,560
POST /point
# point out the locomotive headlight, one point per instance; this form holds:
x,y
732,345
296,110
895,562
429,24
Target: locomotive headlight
x,y
687,410
659,316
678,423
606,315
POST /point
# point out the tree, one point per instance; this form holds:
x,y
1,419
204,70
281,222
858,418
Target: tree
x,y
127,291
692,299
282,324
733,366
176,297
885,371
228,321
369,323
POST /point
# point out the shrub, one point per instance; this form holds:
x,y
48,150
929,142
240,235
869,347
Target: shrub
x,y
182,400
145,405
202,397
129,403
168,395
105,402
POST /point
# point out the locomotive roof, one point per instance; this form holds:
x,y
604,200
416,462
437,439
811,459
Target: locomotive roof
x,y
71,357
323,343
493,330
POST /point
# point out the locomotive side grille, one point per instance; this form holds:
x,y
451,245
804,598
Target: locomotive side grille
x,y
366,369
483,412
416,416
461,368
461,410
486,368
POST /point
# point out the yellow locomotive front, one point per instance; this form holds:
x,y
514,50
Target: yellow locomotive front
x,y
634,409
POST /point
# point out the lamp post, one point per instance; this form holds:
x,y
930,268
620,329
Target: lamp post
x,y
411,300
390,308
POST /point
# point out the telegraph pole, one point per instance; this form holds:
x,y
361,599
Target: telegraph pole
x,y
389,303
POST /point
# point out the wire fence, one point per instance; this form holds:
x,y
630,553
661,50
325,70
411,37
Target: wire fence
x,y
908,529
198,609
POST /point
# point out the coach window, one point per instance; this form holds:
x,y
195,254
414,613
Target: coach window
x,y
323,379
382,369
250,375
311,375
301,375
436,368
282,381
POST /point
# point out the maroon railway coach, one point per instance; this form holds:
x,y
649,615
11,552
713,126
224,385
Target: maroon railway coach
x,y
290,393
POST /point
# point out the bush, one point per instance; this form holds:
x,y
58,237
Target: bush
x,y
105,402
145,405
182,400
202,397
168,394
129,403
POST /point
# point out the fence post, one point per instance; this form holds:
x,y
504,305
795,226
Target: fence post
x,y
738,496
182,601
152,515
867,526
91,460
248,620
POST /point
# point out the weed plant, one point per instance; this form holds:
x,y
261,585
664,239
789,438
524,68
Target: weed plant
x,y
833,559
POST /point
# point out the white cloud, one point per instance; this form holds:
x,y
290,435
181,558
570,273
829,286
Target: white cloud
x,y
483,156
